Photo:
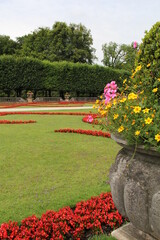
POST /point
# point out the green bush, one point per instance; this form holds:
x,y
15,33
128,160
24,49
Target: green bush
x,y
150,47
148,58
21,74
17,73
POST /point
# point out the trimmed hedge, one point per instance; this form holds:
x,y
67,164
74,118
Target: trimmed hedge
x,y
32,74
21,74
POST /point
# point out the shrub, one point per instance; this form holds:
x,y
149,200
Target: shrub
x,y
134,113
21,73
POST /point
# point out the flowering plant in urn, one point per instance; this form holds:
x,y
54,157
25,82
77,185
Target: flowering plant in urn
x,y
133,110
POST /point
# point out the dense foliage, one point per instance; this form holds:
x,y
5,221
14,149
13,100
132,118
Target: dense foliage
x,y
63,42
150,48
32,74
149,58
7,45
20,73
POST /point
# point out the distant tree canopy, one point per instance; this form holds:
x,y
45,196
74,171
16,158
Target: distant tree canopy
x,y
7,45
71,43
119,56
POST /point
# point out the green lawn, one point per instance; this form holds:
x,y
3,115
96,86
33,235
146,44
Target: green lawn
x,y
42,170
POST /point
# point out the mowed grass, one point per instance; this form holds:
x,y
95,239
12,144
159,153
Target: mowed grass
x,y
42,170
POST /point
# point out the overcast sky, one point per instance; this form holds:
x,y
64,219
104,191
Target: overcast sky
x,y
120,21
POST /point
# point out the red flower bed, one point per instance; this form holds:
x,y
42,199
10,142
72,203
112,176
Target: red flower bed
x,y
41,113
97,215
46,113
3,113
43,104
16,121
87,132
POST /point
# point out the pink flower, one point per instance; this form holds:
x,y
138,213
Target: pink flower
x,y
90,119
113,85
107,100
110,91
135,45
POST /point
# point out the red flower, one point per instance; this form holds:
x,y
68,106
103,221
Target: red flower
x,y
94,215
16,122
87,132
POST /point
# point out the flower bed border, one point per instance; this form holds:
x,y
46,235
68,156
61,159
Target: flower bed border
x,y
82,131
81,103
17,121
36,113
47,113
94,216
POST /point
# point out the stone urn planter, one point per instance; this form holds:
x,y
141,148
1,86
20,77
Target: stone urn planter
x,y
29,97
67,96
135,187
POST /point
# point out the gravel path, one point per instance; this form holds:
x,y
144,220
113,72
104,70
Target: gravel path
x,y
41,108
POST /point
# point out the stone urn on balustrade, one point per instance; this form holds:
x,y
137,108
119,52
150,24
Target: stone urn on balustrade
x,y
29,96
135,187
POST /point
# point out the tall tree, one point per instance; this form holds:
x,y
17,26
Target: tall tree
x,y
61,43
121,56
7,45
36,45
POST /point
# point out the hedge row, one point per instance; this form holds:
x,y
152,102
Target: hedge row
x,y
32,74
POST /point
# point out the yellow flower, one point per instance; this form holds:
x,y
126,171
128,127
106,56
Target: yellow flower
x,y
120,129
158,79
155,90
157,137
123,99
103,112
142,92
109,105
125,80
138,68
146,110
132,96
137,133
114,102
148,120
116,115
148,65
133,74
137,109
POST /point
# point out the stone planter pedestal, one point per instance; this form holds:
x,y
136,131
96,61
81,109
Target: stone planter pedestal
x,y
135,187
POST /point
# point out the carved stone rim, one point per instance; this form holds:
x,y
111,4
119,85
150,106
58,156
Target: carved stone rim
x,y
140,148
